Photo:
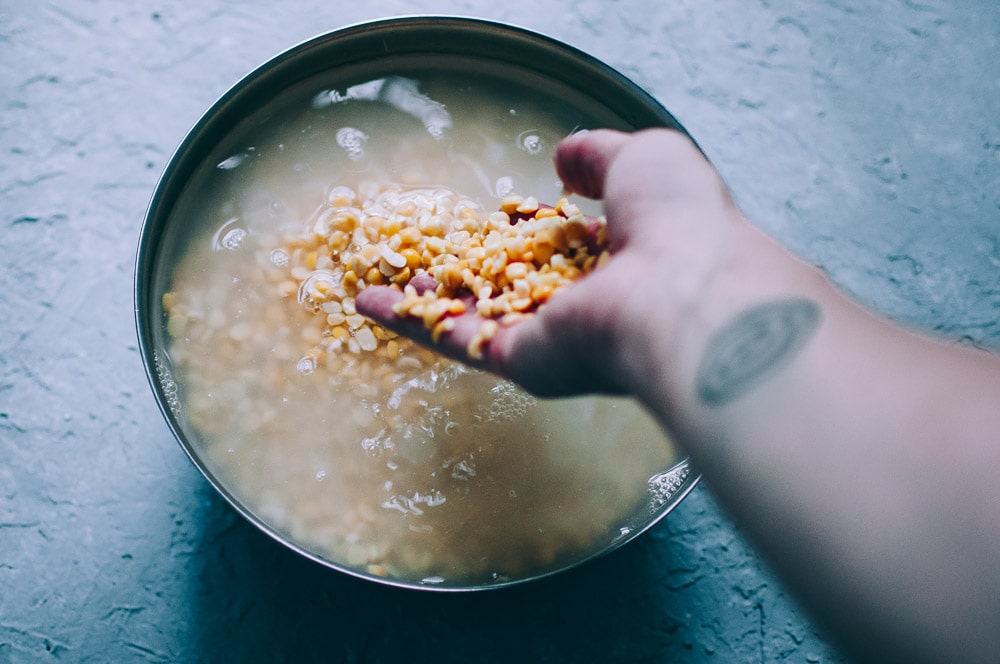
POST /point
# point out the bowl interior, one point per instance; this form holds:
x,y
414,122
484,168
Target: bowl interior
x,y
470,105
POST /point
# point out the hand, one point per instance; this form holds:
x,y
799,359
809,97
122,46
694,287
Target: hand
x,y
669,222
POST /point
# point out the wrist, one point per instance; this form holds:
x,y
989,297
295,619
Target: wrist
x,y
663,339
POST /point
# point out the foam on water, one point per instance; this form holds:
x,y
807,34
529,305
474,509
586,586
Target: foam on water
x,y
509,403
663,486
353,141
168,385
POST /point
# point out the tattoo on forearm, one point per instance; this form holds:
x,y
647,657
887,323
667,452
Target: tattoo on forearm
x,y
754,345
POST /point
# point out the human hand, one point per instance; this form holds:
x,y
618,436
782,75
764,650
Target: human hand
x,y
669,221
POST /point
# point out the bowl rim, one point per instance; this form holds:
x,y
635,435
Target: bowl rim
x,y
214,121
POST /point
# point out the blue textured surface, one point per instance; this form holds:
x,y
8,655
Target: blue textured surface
x,y
864,135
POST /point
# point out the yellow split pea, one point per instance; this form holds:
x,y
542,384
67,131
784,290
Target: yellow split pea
x,y
515,260
509,261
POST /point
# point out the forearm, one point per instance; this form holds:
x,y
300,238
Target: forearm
x,y
830,435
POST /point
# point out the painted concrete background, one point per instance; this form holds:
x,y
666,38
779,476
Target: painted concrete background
x,y
864,135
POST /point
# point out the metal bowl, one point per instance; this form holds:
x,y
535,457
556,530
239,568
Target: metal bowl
x,y
590,94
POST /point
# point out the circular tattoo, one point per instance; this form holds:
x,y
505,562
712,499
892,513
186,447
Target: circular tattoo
x,y
757,343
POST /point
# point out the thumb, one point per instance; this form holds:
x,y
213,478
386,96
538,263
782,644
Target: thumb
x,y
582,160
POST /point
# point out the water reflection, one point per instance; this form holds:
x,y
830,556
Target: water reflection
x,y
399,92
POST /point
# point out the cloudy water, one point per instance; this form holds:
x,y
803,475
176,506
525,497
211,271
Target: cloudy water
x,y
376,454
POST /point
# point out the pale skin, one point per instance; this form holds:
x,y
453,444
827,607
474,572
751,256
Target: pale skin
x,y
861,458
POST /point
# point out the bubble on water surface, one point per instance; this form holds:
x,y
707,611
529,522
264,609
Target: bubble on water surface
x,y
306,365
353,141
509,404
229,236
233,238
530,142
663,486
504,186
279,258
312,289
167,383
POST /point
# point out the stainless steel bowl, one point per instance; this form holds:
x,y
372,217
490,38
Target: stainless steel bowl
x,y
340,59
